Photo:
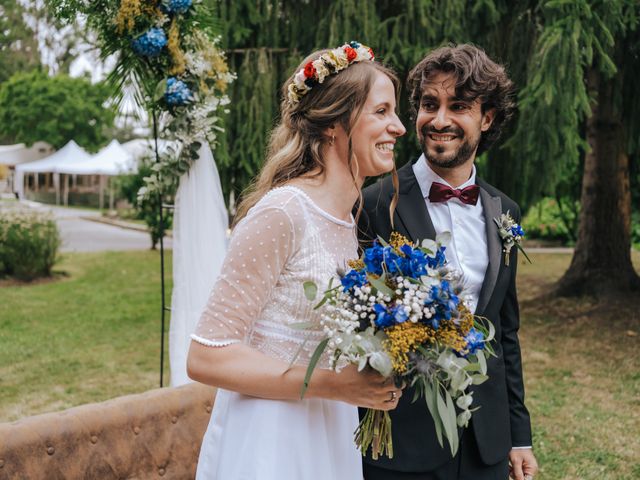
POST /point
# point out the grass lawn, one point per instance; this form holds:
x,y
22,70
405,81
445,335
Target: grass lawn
x,y
582,373
90,335
94,335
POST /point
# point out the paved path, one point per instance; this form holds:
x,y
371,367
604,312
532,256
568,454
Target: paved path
x,y
80,234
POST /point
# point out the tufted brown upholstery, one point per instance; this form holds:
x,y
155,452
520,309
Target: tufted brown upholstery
x,y
156,434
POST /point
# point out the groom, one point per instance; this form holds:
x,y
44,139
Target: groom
x,y
461,99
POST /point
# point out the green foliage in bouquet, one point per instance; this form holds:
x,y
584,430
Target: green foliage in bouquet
x,y
402,311
29,243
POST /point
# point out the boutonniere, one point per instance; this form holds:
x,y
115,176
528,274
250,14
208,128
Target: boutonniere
x,y
511,234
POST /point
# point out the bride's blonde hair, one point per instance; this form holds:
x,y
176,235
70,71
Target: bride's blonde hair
x,y
296,143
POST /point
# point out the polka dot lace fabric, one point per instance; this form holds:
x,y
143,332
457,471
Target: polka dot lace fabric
x,y
284,240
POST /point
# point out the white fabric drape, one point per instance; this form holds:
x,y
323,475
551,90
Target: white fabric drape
x,y
200,224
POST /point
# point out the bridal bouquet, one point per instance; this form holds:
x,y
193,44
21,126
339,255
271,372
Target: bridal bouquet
x,y
400,310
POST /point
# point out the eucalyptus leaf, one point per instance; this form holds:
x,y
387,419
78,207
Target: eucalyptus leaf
x,y
322,302
444,238
378,284
482,362
161,87
312,365
310,290
452,422
431,396
478,379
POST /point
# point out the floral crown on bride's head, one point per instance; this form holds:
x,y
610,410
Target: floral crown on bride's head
x,y
328,63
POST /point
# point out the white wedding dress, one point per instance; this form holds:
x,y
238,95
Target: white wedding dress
x,y
284,240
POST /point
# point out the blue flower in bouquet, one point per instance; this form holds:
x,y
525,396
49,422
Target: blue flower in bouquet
x,y
386,317
177,92
444,300
150,43
475,340
438,260
395,263
373,257
400,314
176,6
416,262
353,278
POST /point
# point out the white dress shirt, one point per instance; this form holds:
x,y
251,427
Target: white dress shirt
x,y
467,251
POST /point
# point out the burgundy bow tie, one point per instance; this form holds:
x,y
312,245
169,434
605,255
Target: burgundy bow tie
x,y
441,193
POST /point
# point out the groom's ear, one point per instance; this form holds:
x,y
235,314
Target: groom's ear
x,y
487,119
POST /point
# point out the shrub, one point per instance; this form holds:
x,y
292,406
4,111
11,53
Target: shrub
x,y
127,187
545,220
29,243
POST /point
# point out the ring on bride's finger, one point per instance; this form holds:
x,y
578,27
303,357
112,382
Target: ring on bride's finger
x,y
394,395
528,477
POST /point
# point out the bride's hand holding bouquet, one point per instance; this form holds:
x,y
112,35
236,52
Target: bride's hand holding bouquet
x,y
400,311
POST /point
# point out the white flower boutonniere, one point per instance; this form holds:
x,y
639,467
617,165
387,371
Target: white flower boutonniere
x,y
511,234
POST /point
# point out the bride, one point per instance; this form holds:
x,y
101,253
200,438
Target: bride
x,y
338,125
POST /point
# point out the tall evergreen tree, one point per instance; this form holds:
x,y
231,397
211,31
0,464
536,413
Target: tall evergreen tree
x,y
580,99
574,63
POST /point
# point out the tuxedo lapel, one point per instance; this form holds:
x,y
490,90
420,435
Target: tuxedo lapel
x,y
412,209
492,207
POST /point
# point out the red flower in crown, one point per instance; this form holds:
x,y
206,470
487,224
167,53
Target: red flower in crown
x,y
351,53
309,70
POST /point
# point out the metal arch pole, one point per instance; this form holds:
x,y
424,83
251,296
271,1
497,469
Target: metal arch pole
x,y
162,288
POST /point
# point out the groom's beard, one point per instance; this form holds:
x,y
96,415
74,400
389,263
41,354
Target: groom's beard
x,y
455,159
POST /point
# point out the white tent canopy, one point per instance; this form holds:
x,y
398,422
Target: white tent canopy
x,y
70,153
111,160
12,155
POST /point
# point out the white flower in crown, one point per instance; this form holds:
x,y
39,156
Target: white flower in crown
x,y
511,234
340,58
321,70
363,53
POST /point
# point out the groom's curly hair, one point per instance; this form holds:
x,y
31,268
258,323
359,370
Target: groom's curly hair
x,y
477,77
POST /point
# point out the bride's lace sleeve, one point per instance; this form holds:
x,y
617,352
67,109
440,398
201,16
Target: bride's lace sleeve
x,y
259,248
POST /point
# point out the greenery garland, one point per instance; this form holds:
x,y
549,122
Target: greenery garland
x,y
167,51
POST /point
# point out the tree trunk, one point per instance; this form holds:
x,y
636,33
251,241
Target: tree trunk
x,y
601,261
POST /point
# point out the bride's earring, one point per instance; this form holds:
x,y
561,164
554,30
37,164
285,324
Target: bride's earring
x,y
332,140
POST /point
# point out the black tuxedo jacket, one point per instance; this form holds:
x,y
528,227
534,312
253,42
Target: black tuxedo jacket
x,y
502,420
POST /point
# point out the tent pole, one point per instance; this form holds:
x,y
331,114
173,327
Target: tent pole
x,y
110,182
101,188
66,190
56,185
